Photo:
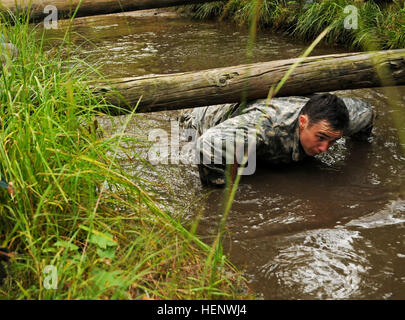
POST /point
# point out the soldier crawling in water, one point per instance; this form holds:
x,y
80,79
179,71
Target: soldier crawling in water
x,y
285,130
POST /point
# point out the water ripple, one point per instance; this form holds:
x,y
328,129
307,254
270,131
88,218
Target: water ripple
x,y
321,264
392,214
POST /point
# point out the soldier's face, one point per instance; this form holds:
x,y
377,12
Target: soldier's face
x,y
318,137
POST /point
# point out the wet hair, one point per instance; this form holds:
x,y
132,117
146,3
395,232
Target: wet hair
x,y
327,107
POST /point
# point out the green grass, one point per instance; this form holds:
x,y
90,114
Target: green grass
x,y
75,207
306,21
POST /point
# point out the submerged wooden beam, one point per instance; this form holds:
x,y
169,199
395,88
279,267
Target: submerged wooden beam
x,y
225,85
66,8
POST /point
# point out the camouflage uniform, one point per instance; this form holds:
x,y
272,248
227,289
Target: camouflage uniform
x,y
8,51
275,126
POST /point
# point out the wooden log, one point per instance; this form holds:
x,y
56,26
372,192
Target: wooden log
x,y
225,85
66,8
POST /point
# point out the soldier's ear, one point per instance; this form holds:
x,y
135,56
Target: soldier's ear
x,y
303,119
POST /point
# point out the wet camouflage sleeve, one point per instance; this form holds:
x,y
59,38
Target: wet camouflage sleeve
x,y
362,118
275,128
8,51
203,118
213,152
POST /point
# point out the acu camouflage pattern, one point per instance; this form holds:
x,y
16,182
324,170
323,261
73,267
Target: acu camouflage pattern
x,y
275,126
8,51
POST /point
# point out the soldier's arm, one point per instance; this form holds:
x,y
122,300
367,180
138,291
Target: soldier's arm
x,y
361,118
203,118
216,148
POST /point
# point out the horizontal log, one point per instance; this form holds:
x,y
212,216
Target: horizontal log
x,y
225,85
66,8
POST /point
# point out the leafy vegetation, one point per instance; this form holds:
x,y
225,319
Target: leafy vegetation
x,y
75,207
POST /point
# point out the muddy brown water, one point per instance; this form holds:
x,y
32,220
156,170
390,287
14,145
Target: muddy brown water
x,y
329,228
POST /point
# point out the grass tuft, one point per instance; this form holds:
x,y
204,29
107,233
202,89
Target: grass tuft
x,y
306,20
